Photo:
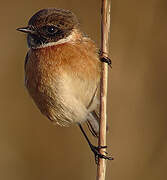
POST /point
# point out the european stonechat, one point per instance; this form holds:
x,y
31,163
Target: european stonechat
x,y
62,70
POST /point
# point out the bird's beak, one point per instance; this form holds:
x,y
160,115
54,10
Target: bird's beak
x,y
26,30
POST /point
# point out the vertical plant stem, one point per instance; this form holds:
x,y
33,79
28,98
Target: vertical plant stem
x,y
105,29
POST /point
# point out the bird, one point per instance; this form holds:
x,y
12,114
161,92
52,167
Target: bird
x,y
62,71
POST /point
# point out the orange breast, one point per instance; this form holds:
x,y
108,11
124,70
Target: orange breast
x,y
46,67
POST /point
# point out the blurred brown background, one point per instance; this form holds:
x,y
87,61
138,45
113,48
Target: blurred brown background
x,y
31,148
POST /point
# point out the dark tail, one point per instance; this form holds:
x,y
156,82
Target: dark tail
x,y
93,123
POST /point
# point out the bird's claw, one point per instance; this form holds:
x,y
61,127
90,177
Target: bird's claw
x,y
95,150
105,58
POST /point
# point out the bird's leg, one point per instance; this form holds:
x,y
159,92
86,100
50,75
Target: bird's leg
x,y
105,58
95,149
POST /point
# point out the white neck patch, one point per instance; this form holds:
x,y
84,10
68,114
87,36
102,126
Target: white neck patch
x,y
61,41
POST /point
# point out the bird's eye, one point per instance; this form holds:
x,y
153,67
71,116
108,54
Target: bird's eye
x,y
51,30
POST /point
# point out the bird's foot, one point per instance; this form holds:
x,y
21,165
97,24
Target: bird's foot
x,y
95,150
105,58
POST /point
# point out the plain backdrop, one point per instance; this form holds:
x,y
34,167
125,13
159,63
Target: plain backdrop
x,y
31,148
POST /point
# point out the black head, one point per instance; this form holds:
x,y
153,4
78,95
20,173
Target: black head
x,y
49,25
